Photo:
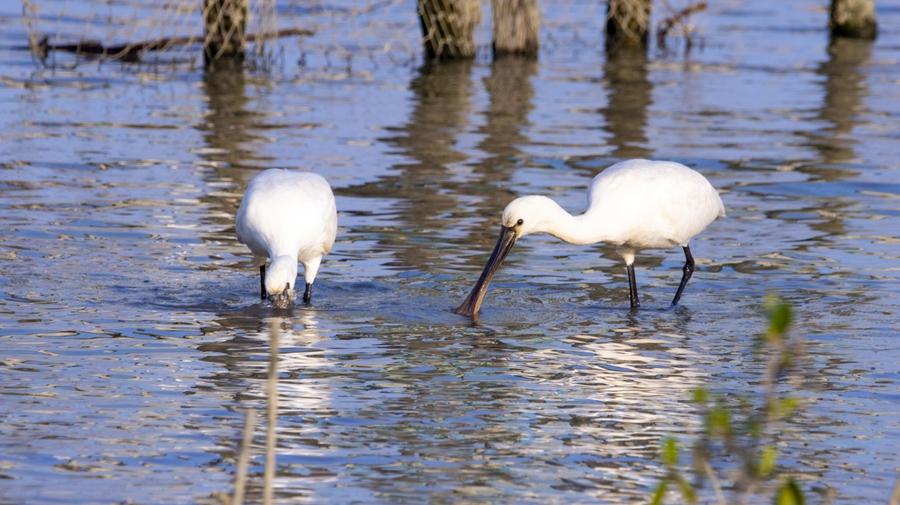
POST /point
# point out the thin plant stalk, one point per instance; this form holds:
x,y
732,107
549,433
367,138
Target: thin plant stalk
x,y
272,412
240,477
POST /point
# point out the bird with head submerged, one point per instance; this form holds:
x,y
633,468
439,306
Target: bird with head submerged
x,y
634,204
286,217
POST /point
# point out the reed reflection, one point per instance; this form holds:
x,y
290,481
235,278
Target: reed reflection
x,y
629,96
294,390
510,101
424,187
625,75
844,94
450,402
600,404
230,129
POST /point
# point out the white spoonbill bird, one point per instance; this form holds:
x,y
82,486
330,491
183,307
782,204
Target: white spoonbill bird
x,y
286,217
634,204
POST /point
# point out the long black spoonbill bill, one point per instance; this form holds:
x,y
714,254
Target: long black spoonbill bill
x,y
286,217
634,204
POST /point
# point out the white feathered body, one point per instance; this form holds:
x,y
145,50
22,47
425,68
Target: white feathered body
x,y
287,213
633,205
651,204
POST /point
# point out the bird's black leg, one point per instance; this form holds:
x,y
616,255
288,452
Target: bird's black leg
x,y
688,270
307,295
632,287
262,282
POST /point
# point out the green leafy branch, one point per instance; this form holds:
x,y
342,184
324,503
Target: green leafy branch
x,y
738,433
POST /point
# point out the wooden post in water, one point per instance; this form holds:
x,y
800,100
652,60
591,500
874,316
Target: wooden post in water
x,y
516,24
448,27
225,26
627,23
853,19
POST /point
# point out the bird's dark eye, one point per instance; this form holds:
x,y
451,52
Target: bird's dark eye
x,y
520,222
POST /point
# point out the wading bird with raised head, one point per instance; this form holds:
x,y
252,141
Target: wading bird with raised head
x,y
633,205
286,217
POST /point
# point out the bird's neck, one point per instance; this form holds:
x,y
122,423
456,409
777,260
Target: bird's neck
x,y
578,229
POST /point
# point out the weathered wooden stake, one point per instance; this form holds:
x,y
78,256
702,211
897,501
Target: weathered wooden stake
x,y
627,23
853,19
448,26
516,24
225,29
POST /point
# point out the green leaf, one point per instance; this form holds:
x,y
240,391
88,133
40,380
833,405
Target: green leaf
x,y
720,420
670,452
780,316
789,493
767,461
659,494
701,396
787,406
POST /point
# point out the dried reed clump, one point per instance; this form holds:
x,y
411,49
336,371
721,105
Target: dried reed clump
x,y
448,27
627,23
225,23
516,25
853,19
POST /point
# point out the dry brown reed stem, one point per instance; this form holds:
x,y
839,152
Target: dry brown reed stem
x,y
240,477
895,495
271,410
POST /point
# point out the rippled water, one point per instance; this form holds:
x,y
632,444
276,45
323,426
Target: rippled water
x,y
132,336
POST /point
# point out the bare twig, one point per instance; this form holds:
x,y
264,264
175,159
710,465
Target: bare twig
x,y
131,51
716,485
666,25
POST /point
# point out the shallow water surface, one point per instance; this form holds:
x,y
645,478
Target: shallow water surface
x,y
131,336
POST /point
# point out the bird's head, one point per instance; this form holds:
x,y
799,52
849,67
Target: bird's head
x,y
524,215
281,277
529,214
